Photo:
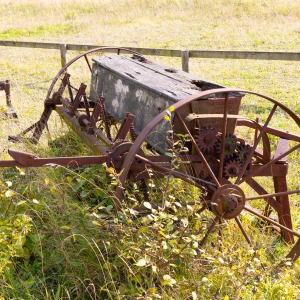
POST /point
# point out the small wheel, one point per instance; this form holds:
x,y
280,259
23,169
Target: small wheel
x,y
250,178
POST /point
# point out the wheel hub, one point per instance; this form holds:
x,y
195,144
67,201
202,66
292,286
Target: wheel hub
x,y
228,201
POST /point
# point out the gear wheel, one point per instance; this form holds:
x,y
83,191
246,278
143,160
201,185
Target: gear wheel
x,y
230,145
231,169
206,139
201,169
243,151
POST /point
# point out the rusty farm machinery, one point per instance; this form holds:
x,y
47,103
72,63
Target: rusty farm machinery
x,y
228,147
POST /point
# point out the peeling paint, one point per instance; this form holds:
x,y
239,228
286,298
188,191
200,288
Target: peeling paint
x,y
139,95
121,89
115,104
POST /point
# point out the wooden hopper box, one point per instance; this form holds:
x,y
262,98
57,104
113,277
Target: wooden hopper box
x,y
146,88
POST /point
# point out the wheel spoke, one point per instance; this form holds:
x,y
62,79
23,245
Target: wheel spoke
x,y
270,163
222,155
238,221
190,179
199,152
294,254
273,195
241,173
210,229
261,191
271,221
220,234
88,63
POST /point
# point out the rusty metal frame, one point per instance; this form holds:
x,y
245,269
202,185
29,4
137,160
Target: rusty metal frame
x,y
82,114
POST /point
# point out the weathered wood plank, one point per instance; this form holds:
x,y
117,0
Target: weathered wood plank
x,y
30,44
259,55
185,56
144,51
263,55
63,54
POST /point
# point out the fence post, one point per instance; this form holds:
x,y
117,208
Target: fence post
x,y
63,54
185,56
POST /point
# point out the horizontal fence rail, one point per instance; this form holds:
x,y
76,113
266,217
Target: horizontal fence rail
x,y
185,55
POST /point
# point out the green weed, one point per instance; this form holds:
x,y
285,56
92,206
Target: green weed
x,y
38,31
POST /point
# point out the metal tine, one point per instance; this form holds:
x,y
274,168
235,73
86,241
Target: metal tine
x,y
80,93
87,106
70,92
95,115
105,118
125,127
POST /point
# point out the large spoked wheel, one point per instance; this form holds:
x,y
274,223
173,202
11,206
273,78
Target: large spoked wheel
x,y
80,69
236,155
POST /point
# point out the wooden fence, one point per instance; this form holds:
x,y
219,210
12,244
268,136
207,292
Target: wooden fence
x,y
184,54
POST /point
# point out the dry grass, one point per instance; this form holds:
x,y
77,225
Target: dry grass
x,y
169,24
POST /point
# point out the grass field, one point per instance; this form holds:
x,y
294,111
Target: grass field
x,y
54,241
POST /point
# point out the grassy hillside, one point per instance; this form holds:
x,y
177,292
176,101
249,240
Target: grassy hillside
x,y
58,238
181,24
